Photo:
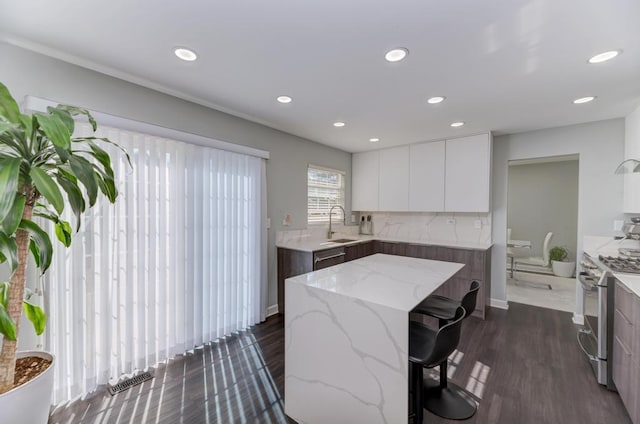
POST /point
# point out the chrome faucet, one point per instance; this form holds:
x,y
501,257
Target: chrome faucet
x,y
344,214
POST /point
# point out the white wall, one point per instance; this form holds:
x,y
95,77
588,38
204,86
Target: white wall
x,y
600,148
28,73
543,197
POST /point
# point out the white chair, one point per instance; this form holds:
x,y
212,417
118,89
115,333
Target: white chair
x,y
516,249
536,260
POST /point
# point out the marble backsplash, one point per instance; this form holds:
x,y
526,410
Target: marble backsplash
x,y
435,227
440,227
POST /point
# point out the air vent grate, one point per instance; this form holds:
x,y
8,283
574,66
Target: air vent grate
x,y
129,382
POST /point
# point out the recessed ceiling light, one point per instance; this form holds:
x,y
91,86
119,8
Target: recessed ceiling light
x,y
186,54
396,55
603,57
284,99
338,124
457,124
584,100
435,100
374,140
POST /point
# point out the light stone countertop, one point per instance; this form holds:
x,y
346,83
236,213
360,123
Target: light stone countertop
x,y
397,282
313,245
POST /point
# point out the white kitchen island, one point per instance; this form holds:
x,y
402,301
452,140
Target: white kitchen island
x,y
346,338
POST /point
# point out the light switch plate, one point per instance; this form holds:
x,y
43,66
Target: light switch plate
x,y
477,224
268,223
617,225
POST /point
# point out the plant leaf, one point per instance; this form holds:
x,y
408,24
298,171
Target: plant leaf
x,y
9,177
35,252
8,106
12,220
9,249
48,188
7,326
83,169
74,195
75,111
36,315
55,130
63,232
4,293
42,240
64,116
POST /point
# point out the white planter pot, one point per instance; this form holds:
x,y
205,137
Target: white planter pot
x,y
30,402
563,269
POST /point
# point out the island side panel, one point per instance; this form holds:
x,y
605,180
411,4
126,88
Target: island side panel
x,y
346,359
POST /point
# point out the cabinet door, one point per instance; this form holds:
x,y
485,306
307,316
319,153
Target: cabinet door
x,y
394,179
426,177
365,169
468,174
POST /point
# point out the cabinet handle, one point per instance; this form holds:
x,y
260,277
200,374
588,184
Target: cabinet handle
x,y
622,314
337,255
623,346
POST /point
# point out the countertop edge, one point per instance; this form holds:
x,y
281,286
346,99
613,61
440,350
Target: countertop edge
x,y
311,247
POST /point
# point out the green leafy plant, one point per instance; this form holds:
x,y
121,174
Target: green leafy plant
x,y
41,164
558,253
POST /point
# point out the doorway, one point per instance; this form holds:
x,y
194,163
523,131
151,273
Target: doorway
x,y
542,198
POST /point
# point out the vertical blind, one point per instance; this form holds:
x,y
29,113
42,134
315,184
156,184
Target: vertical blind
x,y
325,188
177,261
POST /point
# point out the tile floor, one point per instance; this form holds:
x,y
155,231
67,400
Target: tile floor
x,y
532,289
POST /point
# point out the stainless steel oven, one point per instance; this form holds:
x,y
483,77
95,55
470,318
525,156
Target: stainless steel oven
x,y
596,336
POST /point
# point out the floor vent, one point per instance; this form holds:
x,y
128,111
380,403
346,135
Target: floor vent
x,y
129,382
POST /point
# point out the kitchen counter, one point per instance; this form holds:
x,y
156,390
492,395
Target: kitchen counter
x,y
346,337
314,245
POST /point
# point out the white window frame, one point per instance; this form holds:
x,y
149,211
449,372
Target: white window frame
x,y
337,213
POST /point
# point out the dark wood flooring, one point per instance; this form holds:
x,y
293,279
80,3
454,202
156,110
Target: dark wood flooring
x,y
522,365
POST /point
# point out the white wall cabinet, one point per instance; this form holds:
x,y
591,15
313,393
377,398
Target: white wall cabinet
x,y
394,179
426,177
632,151
450,176
468,174
365,173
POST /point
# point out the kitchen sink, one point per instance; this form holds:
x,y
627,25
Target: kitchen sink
x,y
342,240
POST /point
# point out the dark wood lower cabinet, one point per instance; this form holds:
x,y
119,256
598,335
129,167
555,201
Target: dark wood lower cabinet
x,y
626,349
477,266
358,251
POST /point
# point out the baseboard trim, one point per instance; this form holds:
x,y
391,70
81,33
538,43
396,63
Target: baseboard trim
x,y
578,319
500,304
272,310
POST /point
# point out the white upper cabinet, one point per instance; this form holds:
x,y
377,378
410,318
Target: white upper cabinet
x,y
632,151
426,177
468,174
394,179
365,170
450,176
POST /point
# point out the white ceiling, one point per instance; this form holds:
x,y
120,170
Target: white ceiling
x,y
504,65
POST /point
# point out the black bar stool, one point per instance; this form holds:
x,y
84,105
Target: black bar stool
x,y
427,349
446,399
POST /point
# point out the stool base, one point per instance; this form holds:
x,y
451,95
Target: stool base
x,y
451,402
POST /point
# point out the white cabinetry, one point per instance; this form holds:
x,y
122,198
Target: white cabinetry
x,y
365,169
451,176
394,179
632,151
468,174
426,177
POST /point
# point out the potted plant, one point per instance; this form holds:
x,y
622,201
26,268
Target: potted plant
x,y
560,266
43,169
